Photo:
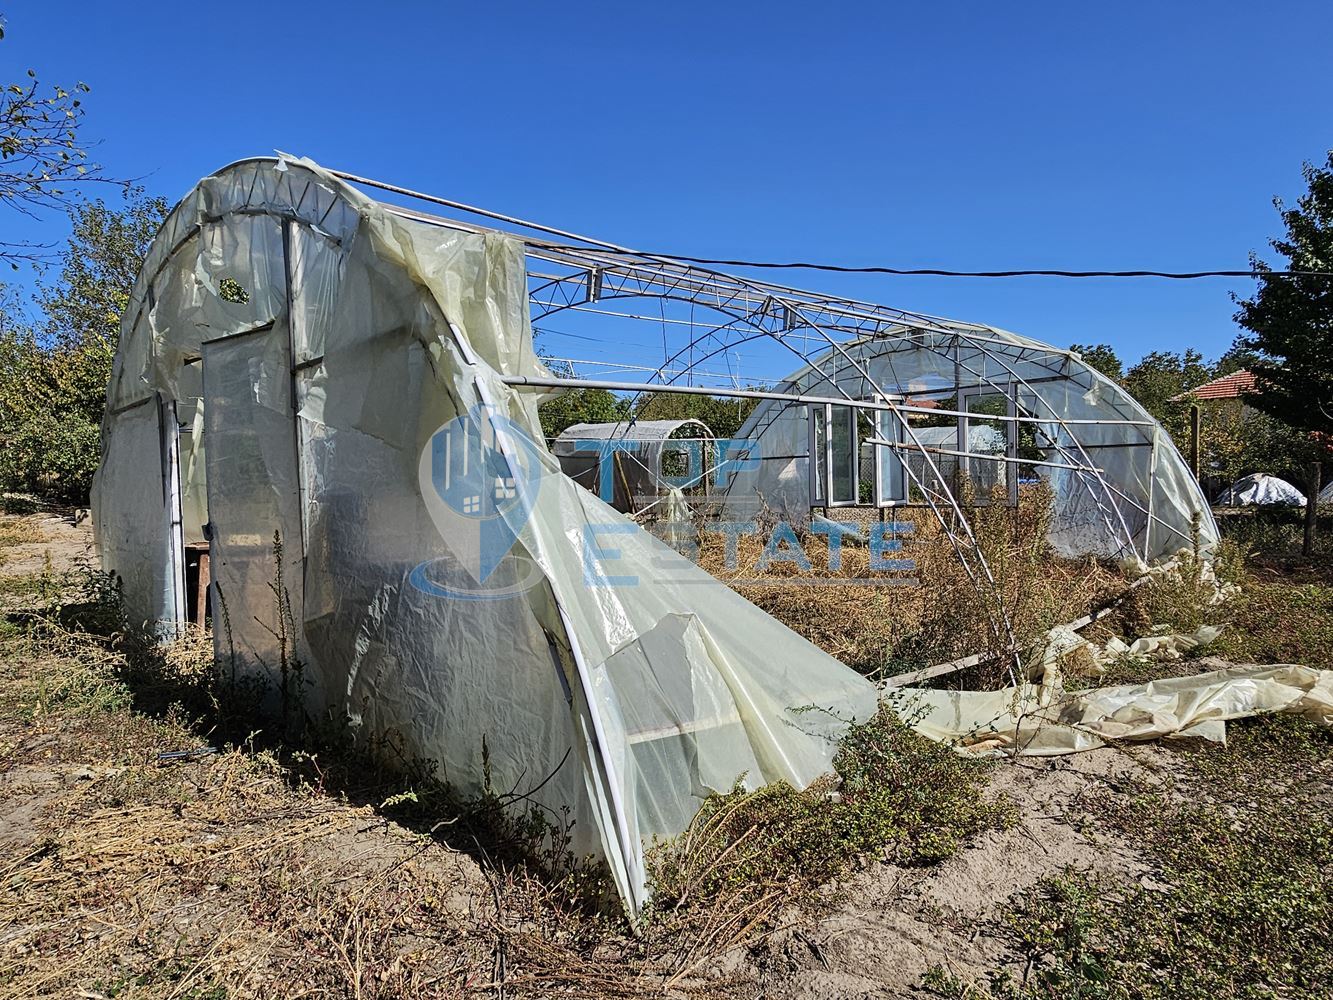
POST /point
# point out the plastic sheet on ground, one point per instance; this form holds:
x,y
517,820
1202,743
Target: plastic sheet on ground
x,y
1031,722
1260,490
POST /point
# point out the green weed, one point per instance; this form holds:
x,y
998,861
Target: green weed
x,y
893,793
1240,901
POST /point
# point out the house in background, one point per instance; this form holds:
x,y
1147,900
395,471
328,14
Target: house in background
x,y
1220,405
1224,414
1227,391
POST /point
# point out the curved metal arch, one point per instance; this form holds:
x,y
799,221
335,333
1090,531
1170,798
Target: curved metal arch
x,y
672,291
960,550
139,297
1002,358
1015,378
1002,353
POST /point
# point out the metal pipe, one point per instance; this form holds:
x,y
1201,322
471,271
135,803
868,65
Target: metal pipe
x,y
594,244
689,390
899,446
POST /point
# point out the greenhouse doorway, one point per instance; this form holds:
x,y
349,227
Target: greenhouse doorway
x,y
253,492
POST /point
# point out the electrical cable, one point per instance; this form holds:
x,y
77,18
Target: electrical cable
x,y
602,247
941,272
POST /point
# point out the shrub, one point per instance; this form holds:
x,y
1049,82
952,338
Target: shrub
x,y
893,792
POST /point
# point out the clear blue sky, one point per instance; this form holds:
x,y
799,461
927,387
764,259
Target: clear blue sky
x,y
966,136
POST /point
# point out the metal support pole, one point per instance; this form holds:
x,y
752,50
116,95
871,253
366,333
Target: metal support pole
x,y
1194,440
1311,507
786,397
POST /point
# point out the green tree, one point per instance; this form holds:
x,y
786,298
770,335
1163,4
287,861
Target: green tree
x,y
1101,357
43,154
1274,446
1238,357
578,406
1290,318
581,406
54,372
1159,381
98,268
1290,324
723,415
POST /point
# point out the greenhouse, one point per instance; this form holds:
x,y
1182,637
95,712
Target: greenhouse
x,y
635,464
1025,410
336,398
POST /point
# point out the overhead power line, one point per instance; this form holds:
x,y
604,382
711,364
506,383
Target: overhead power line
x,y
938,272
610,248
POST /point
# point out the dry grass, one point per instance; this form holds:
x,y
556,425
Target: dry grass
x,y
940,613
213,875
255,867
16,531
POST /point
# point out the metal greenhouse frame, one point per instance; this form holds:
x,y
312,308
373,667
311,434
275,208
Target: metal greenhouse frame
x,y
568,272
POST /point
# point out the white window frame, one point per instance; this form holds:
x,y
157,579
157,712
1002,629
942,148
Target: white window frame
x,y
1010,392
886,459
889,426
819,484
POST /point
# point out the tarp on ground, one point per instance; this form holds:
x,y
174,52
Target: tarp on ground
x,y
1260,490
1036,721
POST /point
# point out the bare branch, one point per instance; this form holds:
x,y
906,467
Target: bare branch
x,y
43,157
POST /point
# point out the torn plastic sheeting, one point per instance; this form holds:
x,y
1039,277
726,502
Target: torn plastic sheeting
x,y
1019,721
1201,569
1167,646
1064,647
695,671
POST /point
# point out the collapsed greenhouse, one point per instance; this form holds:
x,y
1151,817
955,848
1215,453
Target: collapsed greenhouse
x,y
336,398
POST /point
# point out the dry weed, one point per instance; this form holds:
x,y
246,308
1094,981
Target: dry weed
x,y
145,858
935,614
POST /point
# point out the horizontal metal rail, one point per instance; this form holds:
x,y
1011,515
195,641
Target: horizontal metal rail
x,y
786,397
979,455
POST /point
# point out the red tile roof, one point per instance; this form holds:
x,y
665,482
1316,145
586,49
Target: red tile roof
x,y
1227,387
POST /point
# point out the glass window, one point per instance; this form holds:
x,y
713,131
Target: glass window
x,y
889,474
818,452
988,440
843,459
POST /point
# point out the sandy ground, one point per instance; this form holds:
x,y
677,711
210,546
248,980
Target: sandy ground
x,y
887,925
66,538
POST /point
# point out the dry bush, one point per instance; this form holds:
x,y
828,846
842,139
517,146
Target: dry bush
x,y
941,612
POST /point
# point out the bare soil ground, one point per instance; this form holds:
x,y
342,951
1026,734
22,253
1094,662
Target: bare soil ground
x,y
882,929
29,544
237,873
